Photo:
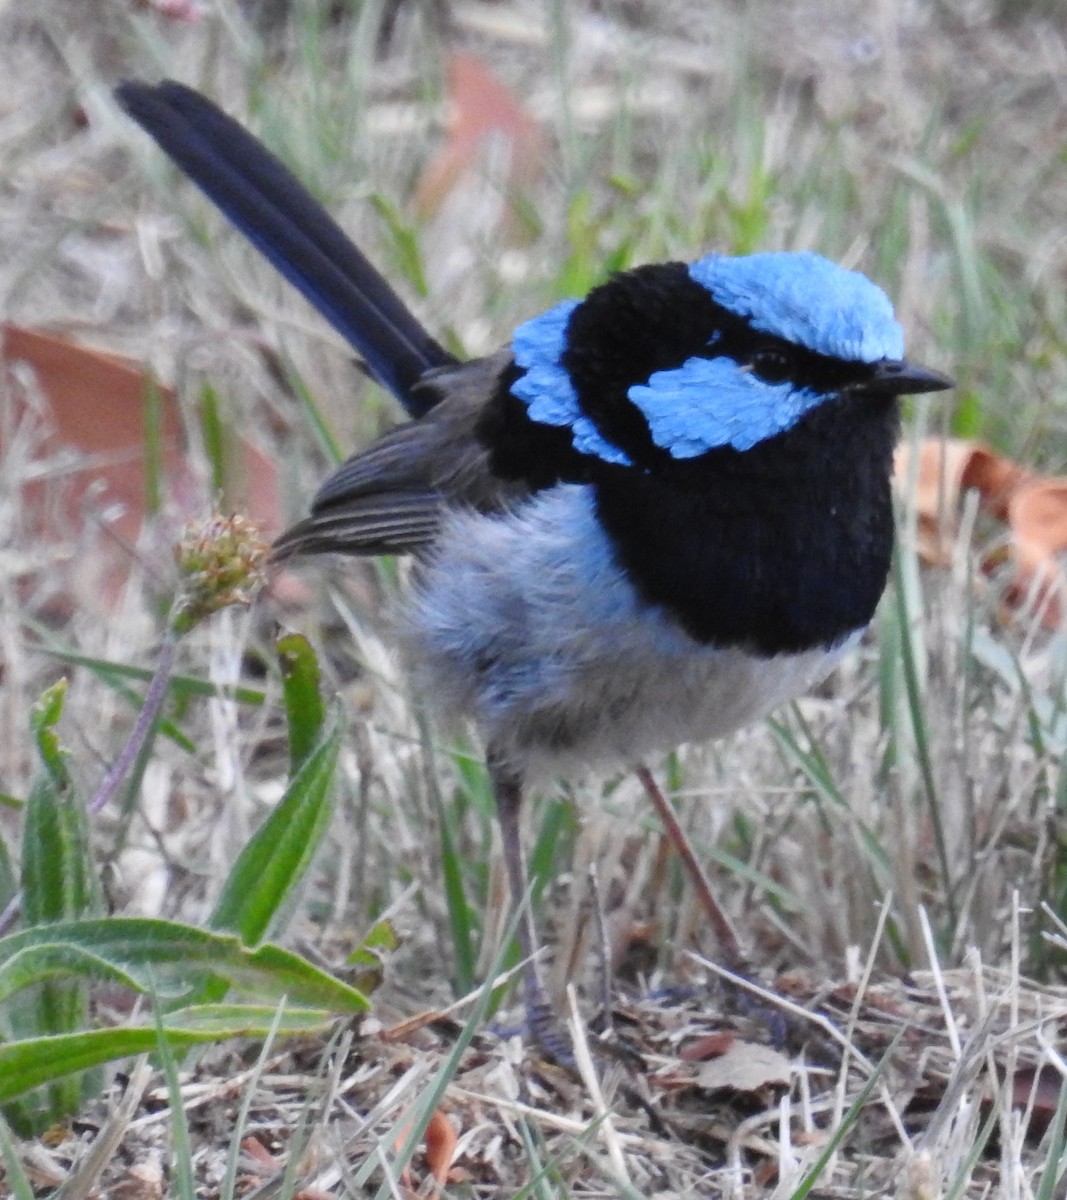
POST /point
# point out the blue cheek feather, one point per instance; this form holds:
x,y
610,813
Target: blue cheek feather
x,y
708,403
546,388
806,299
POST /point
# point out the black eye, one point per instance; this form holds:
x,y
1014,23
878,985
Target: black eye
x,y
771,364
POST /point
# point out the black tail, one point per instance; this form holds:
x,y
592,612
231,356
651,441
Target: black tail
x,y
277,214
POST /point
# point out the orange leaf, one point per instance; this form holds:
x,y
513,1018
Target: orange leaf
x,y
255,1150
1037,515
96,408
711,1045
1033,507
96,405
483,110
441,1141
947,468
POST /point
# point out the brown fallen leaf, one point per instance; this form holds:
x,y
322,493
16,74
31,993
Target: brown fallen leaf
x,y
1032,506
144,1180
1037,1090
441,1142
91,445
254,1149
484,113
712,1045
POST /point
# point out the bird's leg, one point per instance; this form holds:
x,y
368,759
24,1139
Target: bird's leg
x,y
730,953
541,1021
731,956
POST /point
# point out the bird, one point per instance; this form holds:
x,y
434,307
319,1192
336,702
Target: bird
x,y
659,512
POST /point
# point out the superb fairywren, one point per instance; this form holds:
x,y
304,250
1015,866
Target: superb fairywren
x,y
657,514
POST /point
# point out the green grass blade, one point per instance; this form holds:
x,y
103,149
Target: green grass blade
x,y
461,924
58,883
850,1118
181,1150
16,1178
914,706
1056,1157
181,686
214,437
229,1183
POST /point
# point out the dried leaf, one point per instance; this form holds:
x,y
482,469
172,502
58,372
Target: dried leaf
x,y
1037,1088
713,1045
1033,507
97,407
746,1067
254,1149
484,112
441,1141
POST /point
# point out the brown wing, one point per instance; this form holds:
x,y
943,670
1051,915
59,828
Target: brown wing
x,y
388,498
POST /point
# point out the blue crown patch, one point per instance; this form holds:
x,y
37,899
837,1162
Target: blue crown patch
x,y
806,299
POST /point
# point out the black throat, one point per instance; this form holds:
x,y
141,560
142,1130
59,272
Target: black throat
x,y
782,548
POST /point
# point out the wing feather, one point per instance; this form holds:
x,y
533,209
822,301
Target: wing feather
x,y
390,497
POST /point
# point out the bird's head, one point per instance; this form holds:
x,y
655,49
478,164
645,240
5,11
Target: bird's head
x,y
672,361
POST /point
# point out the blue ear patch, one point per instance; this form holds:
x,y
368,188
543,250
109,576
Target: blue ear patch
x,y
546,388
708,403
806,299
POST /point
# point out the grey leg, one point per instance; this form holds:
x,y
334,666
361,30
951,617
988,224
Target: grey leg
x,y
541,1021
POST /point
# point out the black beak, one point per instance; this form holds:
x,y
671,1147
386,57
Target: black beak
x,y
895,377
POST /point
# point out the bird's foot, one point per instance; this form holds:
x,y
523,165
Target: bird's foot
x,y
547,1032
785,1023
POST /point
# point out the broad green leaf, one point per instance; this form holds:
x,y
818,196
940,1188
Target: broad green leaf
x,y
165,958
58,880
304,710
61,960
44,717
34,1062
273,863
58,883
9,880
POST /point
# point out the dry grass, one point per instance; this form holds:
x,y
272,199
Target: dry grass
x,y
885,846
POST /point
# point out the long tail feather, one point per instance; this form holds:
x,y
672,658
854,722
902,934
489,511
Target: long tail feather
x,y
278,215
